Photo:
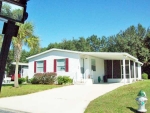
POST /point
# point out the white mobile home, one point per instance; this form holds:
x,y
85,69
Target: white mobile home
x,y
117,67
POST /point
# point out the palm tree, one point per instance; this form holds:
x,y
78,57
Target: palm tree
x,y
25,37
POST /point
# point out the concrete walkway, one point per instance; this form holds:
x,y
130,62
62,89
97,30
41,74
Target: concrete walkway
x,y
68,99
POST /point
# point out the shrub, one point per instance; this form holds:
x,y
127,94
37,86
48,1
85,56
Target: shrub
x,y
34,80
27,79
60,80
70,81
49,78
64,80
21,80
39,77
144,76
44,78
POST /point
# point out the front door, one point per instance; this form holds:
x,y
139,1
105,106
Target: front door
x,y
82,67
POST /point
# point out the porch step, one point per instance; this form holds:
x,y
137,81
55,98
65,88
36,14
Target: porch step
x,y
84,82
89,81
79,83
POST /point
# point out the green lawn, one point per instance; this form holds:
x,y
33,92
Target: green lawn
x,y
9,90
121,100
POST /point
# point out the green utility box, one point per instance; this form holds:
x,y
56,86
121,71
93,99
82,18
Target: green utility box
x,y
99,79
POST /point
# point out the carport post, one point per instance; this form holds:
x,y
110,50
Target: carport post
x,y
139,71
134,71
129,72
124,71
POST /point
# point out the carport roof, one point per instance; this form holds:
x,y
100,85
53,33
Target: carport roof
x,y
103,55
21,64
111,55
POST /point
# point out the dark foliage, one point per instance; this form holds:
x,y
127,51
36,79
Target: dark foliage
x,y
21,80
44,78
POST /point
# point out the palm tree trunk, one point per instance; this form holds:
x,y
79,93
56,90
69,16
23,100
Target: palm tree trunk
x,y
16,75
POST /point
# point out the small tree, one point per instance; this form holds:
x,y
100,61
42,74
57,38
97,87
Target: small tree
x,y
25,37
144,76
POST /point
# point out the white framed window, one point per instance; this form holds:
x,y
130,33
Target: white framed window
x,y
39,66
93,65
61,64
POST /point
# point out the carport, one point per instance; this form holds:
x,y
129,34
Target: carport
x,y
119,67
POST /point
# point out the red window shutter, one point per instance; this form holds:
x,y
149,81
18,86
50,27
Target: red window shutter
x,y
67,64
55,65
44,68
34,66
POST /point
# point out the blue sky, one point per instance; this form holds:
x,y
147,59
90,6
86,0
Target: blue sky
x,y
55,20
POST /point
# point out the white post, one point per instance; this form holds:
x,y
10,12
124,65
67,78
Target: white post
x,y
139,72
129,72
134,71
124,70
21,72
84,77
112,70
121,69
92,76
76,77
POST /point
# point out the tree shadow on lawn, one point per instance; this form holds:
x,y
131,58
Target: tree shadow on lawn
x,y
133,110
7,85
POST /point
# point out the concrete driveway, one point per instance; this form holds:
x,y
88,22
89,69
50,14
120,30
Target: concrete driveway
x,y
68,99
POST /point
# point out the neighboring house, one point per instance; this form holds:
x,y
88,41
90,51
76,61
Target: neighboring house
x,y
6,79
118,67
22,69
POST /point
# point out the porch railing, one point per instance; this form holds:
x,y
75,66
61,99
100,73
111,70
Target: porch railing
x,y
88,75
